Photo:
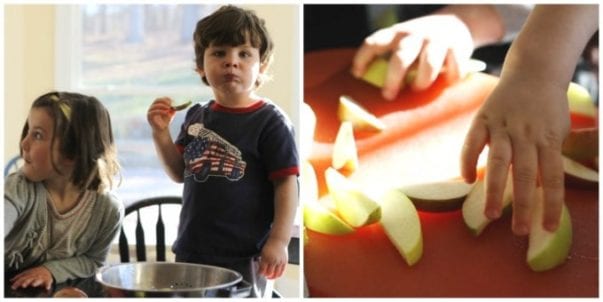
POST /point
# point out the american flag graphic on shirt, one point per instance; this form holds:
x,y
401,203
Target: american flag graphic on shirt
x,y
208,154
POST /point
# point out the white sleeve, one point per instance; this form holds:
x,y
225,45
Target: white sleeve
x,y
513,17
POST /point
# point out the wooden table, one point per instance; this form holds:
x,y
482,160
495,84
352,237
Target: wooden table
x,y
422,143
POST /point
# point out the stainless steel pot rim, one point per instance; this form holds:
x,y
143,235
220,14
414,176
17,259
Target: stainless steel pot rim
x,y
238,279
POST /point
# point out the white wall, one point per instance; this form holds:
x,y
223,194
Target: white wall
x,y
28,65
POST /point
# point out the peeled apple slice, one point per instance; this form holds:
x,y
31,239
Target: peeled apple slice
x,y
579,174
360,118
402,226
580,101
308,183
354,207
306,137
546,249
320,219
474,207
345,154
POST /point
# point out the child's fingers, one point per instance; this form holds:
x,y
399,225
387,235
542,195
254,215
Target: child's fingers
x,y
48,284
552,178
430,64
406,54
525,165
267,270
38,281
475,141
453,70
24,282
280,269
374,45
499,159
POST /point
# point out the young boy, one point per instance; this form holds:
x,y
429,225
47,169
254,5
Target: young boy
x,y
235,154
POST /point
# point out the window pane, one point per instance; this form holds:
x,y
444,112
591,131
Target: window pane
x,y
139,45
130,55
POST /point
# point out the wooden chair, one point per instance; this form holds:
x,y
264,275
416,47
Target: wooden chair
x,y
124,250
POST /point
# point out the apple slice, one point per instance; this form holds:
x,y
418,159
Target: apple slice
x,y
308,183
546,249
345,155
354,206
579,174
438,196
580,101
474,207
306,135
361,119
319,219
402,226
377,71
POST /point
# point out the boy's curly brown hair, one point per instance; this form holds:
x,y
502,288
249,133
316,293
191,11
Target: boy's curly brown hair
x,y
232,26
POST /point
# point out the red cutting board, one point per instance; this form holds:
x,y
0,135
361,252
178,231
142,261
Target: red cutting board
x,y
422,142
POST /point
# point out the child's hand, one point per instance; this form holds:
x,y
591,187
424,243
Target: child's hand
x,y
420,42
160,114
524,121
34,277
274,259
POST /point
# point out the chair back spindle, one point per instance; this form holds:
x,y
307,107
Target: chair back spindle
x,y
160,235
160,248
141,247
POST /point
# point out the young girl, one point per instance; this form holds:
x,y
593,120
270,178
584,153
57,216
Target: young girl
x,y
59,219
235,154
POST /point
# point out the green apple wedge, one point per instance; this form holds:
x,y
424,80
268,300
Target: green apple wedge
x,y
306,135
439,196
402,225
361,119
353,205
547,250
320,219
345,154
579,175
308,183
580,101
376,72
474,207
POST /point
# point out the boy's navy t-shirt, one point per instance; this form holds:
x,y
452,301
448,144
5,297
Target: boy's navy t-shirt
x,y
231,156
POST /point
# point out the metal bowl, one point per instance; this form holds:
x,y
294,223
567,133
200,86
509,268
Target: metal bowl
x,y
171,279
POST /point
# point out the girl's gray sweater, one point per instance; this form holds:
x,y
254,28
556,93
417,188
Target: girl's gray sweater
x,y
26,222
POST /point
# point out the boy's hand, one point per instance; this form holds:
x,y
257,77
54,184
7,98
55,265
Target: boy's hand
x,y
160,114
274,259
34,277
524,121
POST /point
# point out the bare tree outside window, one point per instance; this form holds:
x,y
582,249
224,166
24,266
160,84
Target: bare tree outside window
x,y
129,55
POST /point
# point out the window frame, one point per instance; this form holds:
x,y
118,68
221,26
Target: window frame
x,y
68,58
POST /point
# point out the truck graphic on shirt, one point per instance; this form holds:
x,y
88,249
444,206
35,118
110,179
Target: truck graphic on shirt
x,y
208,154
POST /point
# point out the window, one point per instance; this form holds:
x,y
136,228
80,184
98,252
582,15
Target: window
x,y
126,56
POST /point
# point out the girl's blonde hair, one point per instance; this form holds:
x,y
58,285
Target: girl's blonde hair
x,y
82,127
